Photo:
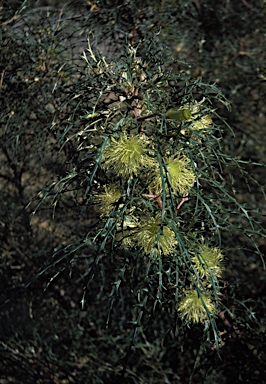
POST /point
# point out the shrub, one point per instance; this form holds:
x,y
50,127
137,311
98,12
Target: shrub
x,y
146,211
148,153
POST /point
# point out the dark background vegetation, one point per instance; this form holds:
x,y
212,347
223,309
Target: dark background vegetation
x,y
45,335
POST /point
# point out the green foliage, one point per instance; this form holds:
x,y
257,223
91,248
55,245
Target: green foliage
x,y
128,274
154,180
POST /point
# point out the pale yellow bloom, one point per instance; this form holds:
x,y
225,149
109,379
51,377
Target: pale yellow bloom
x,y
125,156
208,261
192,307
180,176
108,198
151,236
202,124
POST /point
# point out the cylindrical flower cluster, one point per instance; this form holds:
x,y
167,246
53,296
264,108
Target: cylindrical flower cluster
x,y
196,306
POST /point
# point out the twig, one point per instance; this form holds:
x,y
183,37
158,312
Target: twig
x,y
2,79
157,198
184,199
11,20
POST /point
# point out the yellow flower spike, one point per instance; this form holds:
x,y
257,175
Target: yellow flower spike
x,y
192,307
108,198
126,155
152,237
181,175
202,124
208,261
